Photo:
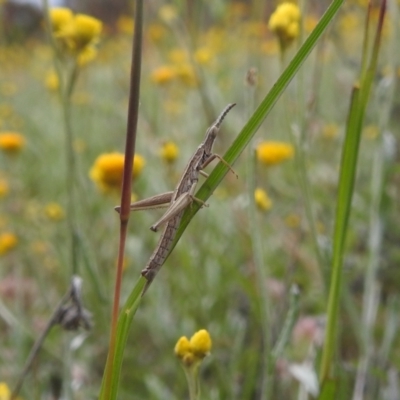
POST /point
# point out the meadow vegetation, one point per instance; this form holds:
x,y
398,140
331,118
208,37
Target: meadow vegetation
x,y
252,272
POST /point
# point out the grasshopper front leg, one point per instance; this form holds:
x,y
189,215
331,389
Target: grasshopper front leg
x,y
211,158
158,201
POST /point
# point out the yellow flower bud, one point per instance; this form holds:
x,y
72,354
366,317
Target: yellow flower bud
x,y
169,152
59,17
285,23
163,75
11,142
200,343
54,211
182,347
107,170
271,153
7,242
262,200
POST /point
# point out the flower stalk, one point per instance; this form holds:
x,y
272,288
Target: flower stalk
x,y
133,115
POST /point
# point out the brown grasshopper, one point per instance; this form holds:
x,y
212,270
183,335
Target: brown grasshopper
x,y
179,199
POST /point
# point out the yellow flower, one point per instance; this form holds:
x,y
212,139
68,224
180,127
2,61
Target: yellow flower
x,y
169,152
107,170
51,81
11,142
163,75
125,24
285,23
178,56
60,16
156,32
203,55
78,34
54,211
271,153
81,31
187,75
192,351
4,187
87,55
200,343
5,392
262,200
182,347
7,242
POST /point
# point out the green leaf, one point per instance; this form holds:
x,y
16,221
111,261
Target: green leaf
x,y
124,322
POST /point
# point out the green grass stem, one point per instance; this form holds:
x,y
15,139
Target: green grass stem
x,y
347,175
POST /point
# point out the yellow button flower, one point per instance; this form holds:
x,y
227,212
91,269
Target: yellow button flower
x,y
187,75
125,24
78,34
81,31
59,17
7,242
54,211
192,351
4,391
156,32
203,55
169,152
163,75
262,199
285,23
11,142
271,153
200,343
182,347
107,170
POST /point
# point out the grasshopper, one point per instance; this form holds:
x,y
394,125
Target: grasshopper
x,y
179,199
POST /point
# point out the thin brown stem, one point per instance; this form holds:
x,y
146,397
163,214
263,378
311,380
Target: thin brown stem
x,y
133,114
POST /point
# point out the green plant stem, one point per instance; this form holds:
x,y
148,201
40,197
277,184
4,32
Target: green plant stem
x,y
192,378
348,166
371,286
261,274
346,184
65,91
287,328
260,268
71,168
